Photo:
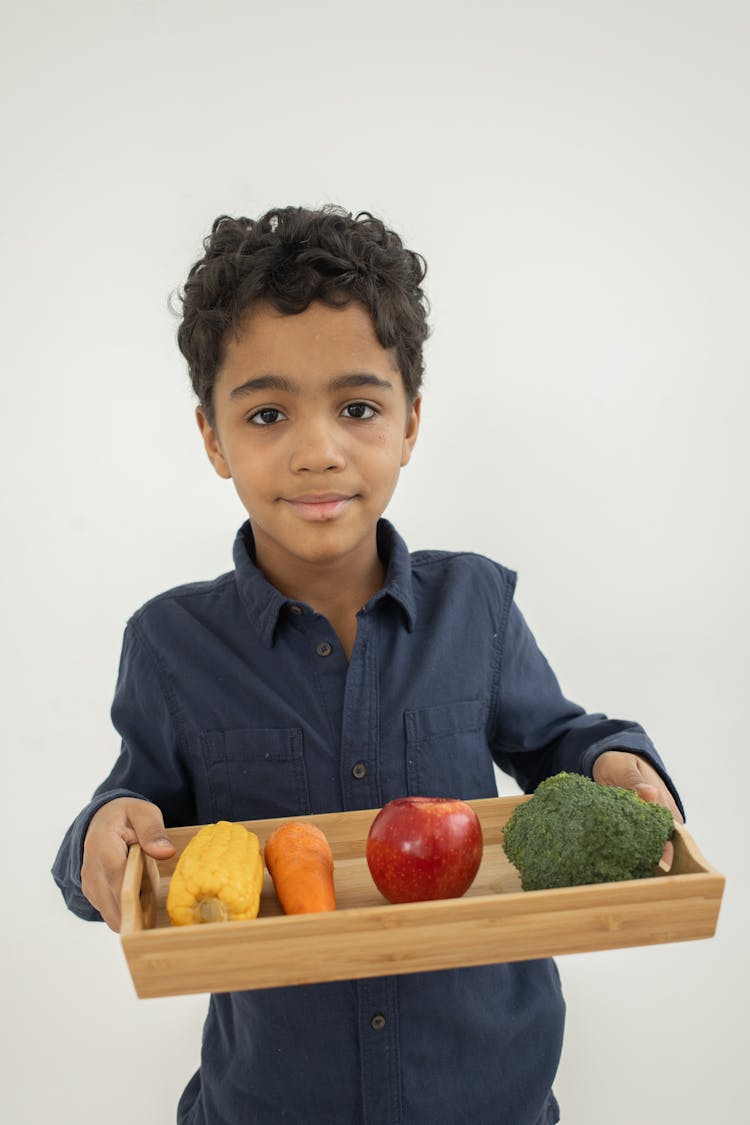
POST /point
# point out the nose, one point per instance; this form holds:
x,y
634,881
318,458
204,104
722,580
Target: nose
x,y
317,448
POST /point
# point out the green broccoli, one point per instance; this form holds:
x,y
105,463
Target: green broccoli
x,y
575,831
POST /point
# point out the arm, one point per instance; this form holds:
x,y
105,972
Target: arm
x,y
147,781
536,732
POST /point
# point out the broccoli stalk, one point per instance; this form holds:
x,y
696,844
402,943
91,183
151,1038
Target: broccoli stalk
x,y
575,831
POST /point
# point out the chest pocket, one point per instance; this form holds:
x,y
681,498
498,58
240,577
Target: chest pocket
x,y
447,753
254,774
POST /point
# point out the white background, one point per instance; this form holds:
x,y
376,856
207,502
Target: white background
x,y
577,176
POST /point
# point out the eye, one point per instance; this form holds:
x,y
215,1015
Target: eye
x,y
359,410
266,416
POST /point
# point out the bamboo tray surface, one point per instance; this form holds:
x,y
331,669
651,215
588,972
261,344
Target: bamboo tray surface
x,y
366,936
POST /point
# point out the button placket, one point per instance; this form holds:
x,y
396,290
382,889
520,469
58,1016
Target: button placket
x,y
379,1046
359,729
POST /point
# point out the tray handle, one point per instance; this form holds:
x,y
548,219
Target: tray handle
x,y
140,890
687,857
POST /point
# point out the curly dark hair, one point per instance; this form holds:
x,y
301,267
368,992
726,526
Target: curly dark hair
x,y
290,257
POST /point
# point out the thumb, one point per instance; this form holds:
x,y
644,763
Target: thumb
x,y
148,825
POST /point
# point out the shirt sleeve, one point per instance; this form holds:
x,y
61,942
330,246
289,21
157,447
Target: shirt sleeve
x,y
150,765
536,732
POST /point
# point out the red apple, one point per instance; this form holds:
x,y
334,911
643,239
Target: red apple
x,y
424,847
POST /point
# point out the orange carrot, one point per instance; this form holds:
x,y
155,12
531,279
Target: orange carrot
x,y
301,865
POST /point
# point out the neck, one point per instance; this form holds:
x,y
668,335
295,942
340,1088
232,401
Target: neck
x,y
336,589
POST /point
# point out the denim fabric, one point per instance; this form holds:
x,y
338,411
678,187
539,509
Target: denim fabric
x,y
235,702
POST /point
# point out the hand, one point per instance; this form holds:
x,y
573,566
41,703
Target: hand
x,y
630,771
116,825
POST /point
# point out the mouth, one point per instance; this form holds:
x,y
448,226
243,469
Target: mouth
x,y
318,507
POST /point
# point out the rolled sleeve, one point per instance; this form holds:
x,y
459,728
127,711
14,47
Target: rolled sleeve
x,y
536,732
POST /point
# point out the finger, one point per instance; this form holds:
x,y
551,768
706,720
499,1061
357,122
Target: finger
x,y
102,875
631,771
651,794
659,795
667,856
647,792
148,825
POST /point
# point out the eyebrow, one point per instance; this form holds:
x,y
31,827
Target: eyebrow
x,y
289,386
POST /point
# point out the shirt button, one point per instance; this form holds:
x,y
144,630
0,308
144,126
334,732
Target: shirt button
x,y
359,770
377,1023
297,610
324,649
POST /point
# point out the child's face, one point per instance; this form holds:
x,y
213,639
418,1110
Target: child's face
x,y
312,424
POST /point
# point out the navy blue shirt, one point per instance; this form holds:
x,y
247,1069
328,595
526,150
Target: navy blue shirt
x,y
235,702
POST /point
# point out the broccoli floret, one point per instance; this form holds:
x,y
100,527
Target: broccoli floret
x,y
575,831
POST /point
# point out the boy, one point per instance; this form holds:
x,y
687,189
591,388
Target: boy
x,y
332,671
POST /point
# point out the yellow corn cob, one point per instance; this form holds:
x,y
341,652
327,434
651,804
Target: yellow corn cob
x,y
218,877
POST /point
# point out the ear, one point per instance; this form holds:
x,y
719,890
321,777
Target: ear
x,y
412,429
211,442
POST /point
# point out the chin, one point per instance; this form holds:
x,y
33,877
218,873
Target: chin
x,y
326,544
316,543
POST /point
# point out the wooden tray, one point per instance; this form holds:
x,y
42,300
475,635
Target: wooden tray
x,y
366,936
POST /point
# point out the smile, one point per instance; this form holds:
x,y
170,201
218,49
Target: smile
x,y
319,508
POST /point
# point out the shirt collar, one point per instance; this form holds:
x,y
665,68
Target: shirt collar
x,y
263,602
